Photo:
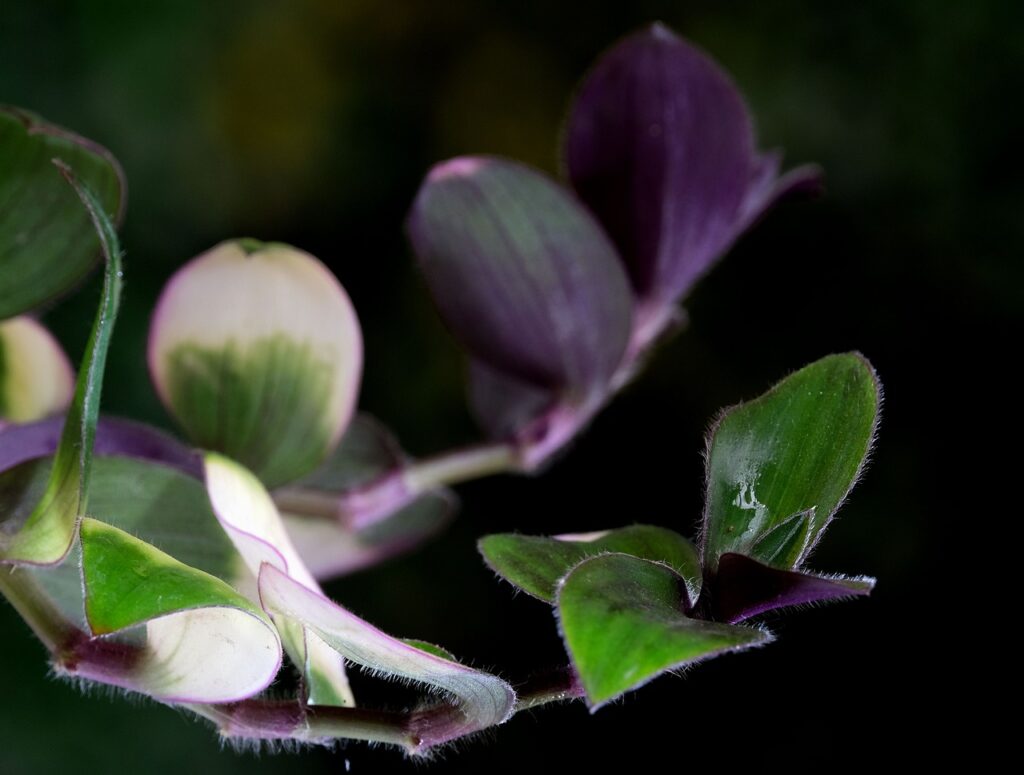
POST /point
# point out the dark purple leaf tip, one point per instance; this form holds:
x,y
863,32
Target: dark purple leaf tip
x,y
744,587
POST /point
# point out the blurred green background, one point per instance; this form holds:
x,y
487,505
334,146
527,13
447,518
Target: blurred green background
x,y
312,122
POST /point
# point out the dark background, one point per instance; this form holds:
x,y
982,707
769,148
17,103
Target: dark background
x,y
312,122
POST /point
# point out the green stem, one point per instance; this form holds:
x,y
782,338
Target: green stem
x,y
374,501
461,465
22,591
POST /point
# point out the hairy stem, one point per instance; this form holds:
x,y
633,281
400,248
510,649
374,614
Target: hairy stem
x,y
256,719
414,731
553,686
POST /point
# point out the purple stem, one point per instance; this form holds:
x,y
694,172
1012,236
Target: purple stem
x,y
415,731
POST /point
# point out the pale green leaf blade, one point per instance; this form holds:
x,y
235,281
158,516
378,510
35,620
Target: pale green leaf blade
x,y
157,503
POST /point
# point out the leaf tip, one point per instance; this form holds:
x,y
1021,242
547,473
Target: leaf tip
x,y
458,167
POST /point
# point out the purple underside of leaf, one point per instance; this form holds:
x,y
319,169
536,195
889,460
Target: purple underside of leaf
x,y
522,274
661,147
745,588
114,436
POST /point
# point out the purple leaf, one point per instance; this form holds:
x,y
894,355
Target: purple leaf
x,y
746,588
660,145
114,436
522,274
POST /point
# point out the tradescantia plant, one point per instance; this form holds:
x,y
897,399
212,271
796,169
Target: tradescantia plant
x,y
188,571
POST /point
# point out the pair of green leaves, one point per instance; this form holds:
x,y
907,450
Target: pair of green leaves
x,y
624,600
636,602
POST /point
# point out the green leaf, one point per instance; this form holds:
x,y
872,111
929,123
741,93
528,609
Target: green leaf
x,y
798,448
535,564
785,544
623,623
128,581
47,242
256,351
156,503
482,700
36,379
203,641
49,531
